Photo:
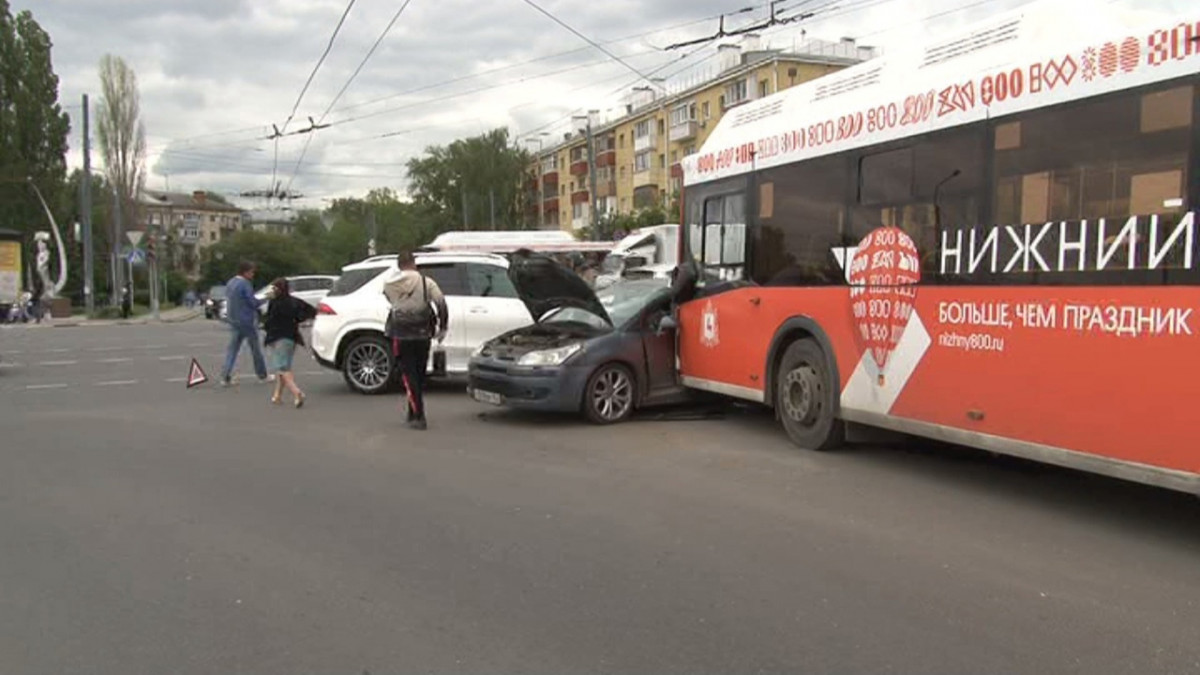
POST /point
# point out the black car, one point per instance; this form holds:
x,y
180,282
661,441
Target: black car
x,y
604,354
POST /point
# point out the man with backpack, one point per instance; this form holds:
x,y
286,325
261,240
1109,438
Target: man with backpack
x,y
418,316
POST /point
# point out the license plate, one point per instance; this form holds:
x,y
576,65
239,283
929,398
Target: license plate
x,y
487,397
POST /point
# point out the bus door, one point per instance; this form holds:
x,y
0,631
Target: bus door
x,y
712,345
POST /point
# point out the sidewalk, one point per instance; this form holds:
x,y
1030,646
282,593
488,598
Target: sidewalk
x,y
176,315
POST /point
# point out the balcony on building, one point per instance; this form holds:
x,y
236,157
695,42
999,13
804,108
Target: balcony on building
x,y
647,177
579,197
606,188
550,205
646,141
550,178
683,131
606,151
579,161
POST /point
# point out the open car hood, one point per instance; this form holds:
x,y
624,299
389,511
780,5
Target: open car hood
x,y
544,285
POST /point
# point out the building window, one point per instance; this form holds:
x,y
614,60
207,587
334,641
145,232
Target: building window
x,y
736,93
622,172
704,110
684,113
641,129
642,161
662,161
674,156
764,88
661,130
621,141
212,236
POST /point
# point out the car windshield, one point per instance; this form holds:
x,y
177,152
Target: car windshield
x,y
623,300
352,280
217,292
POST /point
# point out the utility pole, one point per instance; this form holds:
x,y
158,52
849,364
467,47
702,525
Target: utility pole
x,y
85,211
593,220
492,205
116,249
541,184
463,189
372,232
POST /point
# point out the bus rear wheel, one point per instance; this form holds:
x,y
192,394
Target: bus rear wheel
x,y
806,398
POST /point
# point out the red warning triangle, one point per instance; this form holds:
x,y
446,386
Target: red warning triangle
x,y
195,374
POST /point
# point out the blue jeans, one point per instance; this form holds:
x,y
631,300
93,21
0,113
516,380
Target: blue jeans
x,y
249,333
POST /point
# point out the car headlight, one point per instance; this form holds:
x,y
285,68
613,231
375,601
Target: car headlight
x,y
550,357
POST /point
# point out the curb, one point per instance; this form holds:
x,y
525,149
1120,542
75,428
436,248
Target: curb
x,y
122,322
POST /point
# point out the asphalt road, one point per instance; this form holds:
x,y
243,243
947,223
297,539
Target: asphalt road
x,y
146,528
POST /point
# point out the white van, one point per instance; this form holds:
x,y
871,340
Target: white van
x,y
654,249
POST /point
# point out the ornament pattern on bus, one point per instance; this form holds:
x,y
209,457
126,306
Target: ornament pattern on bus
x,y
883,279
949,103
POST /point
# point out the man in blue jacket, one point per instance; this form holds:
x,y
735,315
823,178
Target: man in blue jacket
x,y
242,308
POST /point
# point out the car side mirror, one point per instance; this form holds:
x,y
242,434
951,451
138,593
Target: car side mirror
x,y
666,323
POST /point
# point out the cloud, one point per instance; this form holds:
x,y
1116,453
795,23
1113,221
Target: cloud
x,y
216,74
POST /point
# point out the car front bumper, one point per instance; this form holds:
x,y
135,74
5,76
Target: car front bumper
x,y
548,389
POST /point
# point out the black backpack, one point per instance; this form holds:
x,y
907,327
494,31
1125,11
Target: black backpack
x,y
412,318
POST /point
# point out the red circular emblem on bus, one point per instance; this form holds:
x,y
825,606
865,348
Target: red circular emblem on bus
x,y
883,278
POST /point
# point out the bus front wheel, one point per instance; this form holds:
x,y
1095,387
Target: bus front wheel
x,y
806,397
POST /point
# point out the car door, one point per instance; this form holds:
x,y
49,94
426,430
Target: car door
x,y
493,306
659,349
451,278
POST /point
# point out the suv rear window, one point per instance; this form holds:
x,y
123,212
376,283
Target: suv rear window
x,y
354,279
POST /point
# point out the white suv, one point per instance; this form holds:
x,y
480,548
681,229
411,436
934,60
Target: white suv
x,y
348,332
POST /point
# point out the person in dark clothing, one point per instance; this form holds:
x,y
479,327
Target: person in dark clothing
x,y
285,313
126,302
418,316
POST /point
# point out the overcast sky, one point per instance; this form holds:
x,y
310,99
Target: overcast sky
x,y
215,74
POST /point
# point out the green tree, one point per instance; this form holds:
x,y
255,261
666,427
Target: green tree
x,y
122,137
277,255
33,126
472,182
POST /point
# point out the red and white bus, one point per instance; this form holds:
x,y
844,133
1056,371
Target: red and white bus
x,y
989,240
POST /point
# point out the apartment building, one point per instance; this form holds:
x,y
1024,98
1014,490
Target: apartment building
x,y
638,154
195,220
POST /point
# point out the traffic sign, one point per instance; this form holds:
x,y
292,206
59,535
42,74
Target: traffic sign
x,y
136,257
134,236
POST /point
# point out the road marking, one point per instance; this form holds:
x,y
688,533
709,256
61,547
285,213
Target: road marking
x,y
115,383
175,379
57,363
46,386
171,358
196,344
107,349
116,360
155,347
57,351
7,364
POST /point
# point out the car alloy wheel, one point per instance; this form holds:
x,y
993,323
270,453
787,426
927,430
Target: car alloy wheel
x,y
610,395
368,365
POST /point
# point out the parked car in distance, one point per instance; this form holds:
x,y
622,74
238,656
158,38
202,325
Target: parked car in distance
x,y
347,334
311,288
602,353
214,304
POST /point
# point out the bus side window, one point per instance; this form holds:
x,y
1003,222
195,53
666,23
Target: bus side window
x,y
921,189
724,238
